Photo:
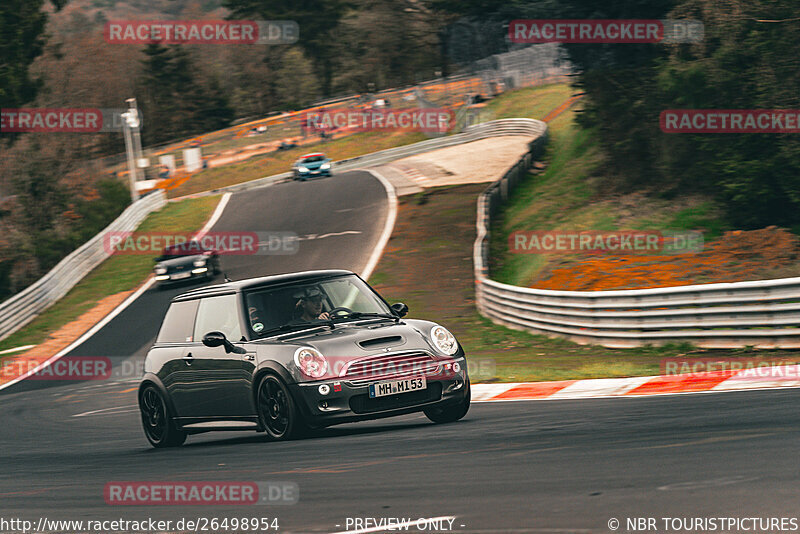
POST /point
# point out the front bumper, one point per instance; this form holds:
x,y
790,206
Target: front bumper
x,y
315,172
172,279
353,403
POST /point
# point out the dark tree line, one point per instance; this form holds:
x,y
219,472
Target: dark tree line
x,y
748,60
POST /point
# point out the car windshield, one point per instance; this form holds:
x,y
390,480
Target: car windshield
x,y
191,248
339,299
314,159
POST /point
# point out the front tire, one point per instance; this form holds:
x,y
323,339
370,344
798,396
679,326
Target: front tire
x,y
277,410
450,414
159,428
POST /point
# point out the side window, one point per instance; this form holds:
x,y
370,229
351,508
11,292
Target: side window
x,y
218,314
178,323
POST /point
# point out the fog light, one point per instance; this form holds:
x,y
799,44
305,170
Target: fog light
x,y
324,389
456,367
200,270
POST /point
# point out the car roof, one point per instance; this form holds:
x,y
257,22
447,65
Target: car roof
x,y
313,154
250,283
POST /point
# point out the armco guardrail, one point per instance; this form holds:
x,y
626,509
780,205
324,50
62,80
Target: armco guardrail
x,y
23,307
761,313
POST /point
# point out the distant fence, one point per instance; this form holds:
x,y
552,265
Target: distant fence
x,y
763,313
23,307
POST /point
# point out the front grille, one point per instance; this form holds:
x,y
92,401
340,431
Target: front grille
x,y
390,367
363,404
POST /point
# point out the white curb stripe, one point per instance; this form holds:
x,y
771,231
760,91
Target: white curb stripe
x,y
17,349
481,392
387,228
600,387
214,216
762,377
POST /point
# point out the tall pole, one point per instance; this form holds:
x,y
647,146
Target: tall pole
x,y
135,129
126,130
130,129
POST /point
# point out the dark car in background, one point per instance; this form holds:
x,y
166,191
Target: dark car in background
x,y
316,164
186,262
287,353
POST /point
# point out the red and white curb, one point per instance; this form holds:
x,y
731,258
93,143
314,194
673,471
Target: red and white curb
x,y
785,376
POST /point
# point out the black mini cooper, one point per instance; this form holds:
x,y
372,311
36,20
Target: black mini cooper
x,y
284,354
186,262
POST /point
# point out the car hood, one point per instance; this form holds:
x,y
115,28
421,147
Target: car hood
x,y
353,341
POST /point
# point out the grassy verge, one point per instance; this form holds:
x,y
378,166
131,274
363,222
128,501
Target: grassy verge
x,y
573,194
431,270
116,274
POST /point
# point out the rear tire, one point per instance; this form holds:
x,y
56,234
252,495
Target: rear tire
x,y
159,428
450,414
277,411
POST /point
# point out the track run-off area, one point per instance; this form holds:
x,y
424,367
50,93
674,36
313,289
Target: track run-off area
x,y
508,467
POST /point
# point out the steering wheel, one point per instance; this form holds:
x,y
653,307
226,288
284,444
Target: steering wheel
x,y
333,312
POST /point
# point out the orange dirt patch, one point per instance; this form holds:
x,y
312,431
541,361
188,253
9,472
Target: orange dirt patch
x,y
60,339
562,108
736,257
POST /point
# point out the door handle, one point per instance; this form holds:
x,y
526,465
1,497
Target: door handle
x,y
250,357
188,358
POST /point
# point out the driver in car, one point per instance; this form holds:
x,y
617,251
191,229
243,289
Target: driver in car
x,y
309,305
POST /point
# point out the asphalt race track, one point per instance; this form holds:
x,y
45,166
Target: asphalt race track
x,y
339,220
513,467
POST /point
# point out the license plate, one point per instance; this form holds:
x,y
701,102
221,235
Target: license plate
x,y
180,276
381,389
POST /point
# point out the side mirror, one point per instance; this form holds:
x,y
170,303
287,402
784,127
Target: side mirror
x,y
400,309
216,339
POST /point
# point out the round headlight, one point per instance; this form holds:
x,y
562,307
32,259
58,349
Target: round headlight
x,y
444,340
161,270
311,362
199,262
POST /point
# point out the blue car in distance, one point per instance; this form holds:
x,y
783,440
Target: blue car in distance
x,y
316,164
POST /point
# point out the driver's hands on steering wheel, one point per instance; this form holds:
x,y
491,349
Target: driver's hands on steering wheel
x,y
325,316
